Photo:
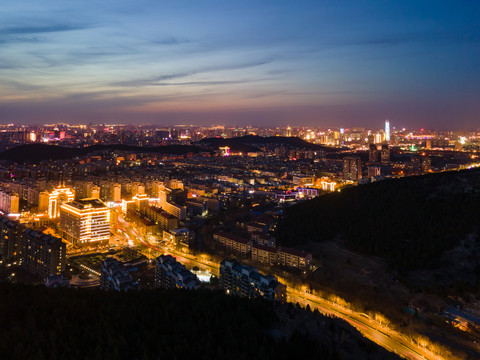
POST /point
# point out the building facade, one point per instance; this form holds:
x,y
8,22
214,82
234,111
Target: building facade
x,y
85,222
114,277
246,281
10,240
170,274
352,168
42,254
233,243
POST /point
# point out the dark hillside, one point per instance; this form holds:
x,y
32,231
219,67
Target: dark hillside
x,y
410,222
254,142
41,323
34,153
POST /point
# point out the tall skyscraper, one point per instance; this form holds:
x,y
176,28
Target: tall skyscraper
x,y
387,130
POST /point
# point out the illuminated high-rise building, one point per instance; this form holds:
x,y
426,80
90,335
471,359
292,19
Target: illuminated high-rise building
x,y
387,130
85,222
385,154
352,168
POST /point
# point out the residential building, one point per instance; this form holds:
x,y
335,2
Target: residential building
x,y
385,154
42,254
9,202
183,237
115,277
170,274
10,240
233,243
246,281
295,259
264,254
352,168
263,239
373,153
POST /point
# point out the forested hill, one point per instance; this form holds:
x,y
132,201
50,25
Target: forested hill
x,y
34,153
253,143
410,221
40,323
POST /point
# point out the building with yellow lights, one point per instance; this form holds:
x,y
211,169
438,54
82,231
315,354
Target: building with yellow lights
x,y
55,200
9,201
85,222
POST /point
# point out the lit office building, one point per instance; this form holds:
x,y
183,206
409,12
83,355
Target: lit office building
x,y
85,222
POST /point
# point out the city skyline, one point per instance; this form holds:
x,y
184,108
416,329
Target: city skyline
x,y
275,63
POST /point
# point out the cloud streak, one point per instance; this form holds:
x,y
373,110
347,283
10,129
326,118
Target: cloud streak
x,y
41,29
159,80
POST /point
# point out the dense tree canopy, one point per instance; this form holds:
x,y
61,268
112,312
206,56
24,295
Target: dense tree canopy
x,y
39,323
409,221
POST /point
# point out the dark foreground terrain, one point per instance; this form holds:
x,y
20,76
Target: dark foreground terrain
x,y
40,323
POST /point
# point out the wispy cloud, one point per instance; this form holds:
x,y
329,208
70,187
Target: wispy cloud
x,y
170,40
159,80
40,29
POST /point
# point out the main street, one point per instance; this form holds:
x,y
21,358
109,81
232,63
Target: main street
x,y
371,329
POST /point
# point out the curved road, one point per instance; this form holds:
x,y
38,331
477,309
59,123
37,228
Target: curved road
x,y
382,336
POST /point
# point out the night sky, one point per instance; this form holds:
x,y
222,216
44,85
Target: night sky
x,y
264,63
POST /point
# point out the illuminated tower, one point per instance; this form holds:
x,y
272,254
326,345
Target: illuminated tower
x,y
387,130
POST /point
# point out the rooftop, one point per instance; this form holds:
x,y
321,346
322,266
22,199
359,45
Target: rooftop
x,y
83,204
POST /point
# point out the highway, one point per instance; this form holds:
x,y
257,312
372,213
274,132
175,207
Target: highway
x,y
381,335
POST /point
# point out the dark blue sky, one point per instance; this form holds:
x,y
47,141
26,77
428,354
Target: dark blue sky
x,y
324,63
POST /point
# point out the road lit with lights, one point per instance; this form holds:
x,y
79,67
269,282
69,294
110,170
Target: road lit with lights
x,y
383,336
